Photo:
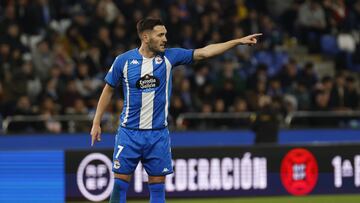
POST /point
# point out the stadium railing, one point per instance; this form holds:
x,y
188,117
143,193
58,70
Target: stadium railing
x,y
194,121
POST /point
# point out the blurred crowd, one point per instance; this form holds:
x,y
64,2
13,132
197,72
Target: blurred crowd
x,y
55,54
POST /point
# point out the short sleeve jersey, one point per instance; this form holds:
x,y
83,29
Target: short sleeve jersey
x,y
146,84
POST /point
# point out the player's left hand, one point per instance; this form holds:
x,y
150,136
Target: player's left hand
x,y
95,134
250,39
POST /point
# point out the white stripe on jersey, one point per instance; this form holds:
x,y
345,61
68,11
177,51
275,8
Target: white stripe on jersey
x,y
168,70
147,98
125,74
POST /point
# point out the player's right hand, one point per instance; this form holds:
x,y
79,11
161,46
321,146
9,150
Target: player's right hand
x,y
95,134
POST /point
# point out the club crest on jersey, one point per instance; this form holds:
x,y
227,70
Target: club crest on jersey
x,y
158,60
147,83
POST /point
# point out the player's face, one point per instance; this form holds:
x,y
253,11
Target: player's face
x,y
157,41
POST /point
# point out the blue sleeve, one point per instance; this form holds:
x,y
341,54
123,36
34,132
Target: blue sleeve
x,y
179,56
115,74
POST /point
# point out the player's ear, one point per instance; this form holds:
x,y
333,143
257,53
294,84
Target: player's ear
x,y
145,36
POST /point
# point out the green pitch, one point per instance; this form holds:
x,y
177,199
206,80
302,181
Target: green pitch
x,y
286,199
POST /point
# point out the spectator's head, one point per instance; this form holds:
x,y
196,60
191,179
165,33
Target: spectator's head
x,y
27,68
185,86
103,33
23,103
43,47
83,70
261,72
152,34
275,84
264,100
4,49
206,108
327,83
322,99
10,12
48,105
228,69
240,105
309,68
219,105
291,68
350,83
79,106
119,32
261,87
340,79
13,30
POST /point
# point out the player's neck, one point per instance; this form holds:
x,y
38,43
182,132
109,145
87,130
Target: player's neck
x,y
146,52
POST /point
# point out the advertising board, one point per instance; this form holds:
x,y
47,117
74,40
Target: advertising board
x,y
230,171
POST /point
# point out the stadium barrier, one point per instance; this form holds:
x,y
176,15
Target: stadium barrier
x,y
201,121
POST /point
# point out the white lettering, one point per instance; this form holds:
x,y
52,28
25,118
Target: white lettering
x,y
226,168
246,172
101,183
336,162
169,185
192,174
260,173
215,174
236,173
203,174
181,174
215,182
101,169
90,183
357,171
138,183
90,170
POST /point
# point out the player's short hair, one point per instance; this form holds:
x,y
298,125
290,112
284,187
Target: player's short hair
x,y
147,24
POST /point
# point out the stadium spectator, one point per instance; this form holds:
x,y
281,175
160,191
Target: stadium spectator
x,y
44,45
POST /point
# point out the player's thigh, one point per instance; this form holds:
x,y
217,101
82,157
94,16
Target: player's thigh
x,y
125,177
156,179
127,151
157,153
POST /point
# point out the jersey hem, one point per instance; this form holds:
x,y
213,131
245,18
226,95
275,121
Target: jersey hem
x,y
144,129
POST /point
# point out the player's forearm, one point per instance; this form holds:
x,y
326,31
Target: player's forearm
x,y
215,49
104,101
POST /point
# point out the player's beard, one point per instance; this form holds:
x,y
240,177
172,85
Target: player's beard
x,y
154,48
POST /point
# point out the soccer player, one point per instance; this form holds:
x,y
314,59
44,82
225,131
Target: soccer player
x,y
145,75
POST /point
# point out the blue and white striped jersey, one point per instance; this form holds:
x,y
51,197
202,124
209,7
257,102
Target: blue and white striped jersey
x,y
146,85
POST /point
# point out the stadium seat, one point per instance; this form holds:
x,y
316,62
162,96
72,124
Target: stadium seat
x,y
329,45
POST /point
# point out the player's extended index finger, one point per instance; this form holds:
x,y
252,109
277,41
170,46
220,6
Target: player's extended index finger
x,y
256,35
92,139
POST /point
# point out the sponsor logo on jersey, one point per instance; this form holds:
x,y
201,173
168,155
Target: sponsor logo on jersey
x,y
147,82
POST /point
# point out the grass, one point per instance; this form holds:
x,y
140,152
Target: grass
x,y
284,199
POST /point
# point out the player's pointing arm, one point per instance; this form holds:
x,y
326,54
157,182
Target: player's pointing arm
x,y
219,48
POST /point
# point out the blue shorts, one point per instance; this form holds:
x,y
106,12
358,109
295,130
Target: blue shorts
x,y
151,147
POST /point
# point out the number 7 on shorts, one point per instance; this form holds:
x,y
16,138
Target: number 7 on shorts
x,y
120,148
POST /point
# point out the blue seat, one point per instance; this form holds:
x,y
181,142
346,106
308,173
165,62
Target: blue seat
x,y
329,45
